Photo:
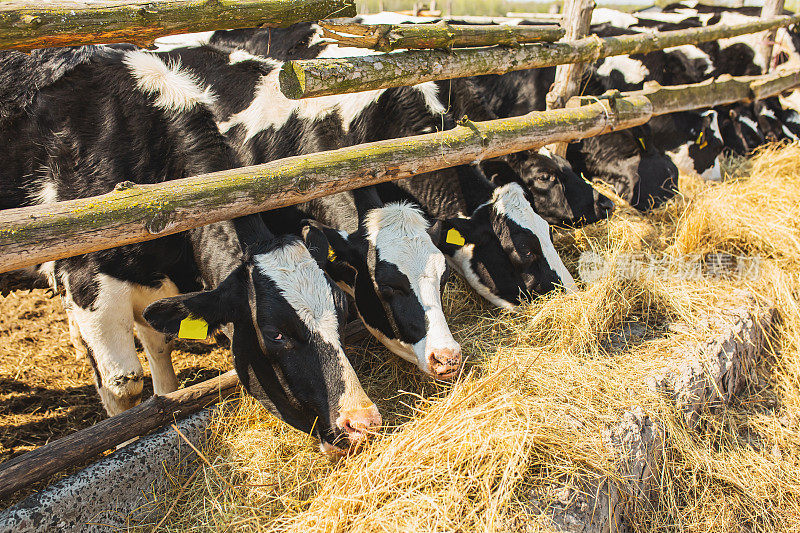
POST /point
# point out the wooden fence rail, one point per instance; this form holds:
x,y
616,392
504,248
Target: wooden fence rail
x,y
135,213
327,76
27,24
157,411
388,37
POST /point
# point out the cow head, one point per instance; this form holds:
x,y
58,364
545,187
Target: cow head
x,y
503,249
699,155
629,161
286,318
395,274
558,195
739,129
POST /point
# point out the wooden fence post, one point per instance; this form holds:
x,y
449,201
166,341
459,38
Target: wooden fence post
x,y
577,21
771,8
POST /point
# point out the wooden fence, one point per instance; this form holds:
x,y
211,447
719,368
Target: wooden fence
x,y
135,213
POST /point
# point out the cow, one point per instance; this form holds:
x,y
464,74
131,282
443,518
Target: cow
x,y
337,121
627,159
123,115
491,235
557,194
394,271
693,140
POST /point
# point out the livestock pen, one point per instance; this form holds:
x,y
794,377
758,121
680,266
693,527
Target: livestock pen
x,y
540,427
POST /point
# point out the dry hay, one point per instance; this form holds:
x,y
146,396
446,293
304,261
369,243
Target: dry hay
x,y
45,393
541,387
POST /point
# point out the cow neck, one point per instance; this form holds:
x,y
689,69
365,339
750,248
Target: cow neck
x,y
219,248
476,189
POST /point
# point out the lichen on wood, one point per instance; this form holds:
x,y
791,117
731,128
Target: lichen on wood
x,y
307,78
388,37
27,24
32,235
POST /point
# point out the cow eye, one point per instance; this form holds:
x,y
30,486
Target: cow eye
x,y
389,291
275,336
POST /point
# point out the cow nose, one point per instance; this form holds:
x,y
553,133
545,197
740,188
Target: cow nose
x,y
604,206
445,362
358,423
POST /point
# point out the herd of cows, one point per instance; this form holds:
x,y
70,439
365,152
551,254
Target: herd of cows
x,y
280,285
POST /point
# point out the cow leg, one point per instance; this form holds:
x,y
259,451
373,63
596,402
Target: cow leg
x,y
77,341
159,355
101,308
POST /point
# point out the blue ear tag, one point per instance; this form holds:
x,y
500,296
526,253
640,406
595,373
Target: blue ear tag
x,y
193,328
454,237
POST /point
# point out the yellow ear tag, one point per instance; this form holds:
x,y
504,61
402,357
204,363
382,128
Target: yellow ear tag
x,y
641,142
331,254
193,328
454,237
701,141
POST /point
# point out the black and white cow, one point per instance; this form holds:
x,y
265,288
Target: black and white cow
x,y
395,271
693,140
628,159
491,234
557,194
264,130
125,115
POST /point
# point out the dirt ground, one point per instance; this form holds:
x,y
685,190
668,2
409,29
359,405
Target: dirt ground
x,y
45,393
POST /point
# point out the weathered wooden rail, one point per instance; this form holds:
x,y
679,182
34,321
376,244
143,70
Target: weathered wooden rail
x,y
27,24
388,37
307,78
135,213
157,411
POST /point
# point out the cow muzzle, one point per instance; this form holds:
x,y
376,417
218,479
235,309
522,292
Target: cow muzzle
x,y
444,363
357,424
603,206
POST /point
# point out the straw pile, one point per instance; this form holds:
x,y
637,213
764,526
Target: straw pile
x,y
542,387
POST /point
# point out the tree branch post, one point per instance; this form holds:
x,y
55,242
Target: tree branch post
x,y
47,232
771,9
388,37
28,24
153,413
577,21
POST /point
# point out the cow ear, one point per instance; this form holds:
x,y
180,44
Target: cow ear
x,y
332,251
316,241
193,315
435,231
498,171
454,233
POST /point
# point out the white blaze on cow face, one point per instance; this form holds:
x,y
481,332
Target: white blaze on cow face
x,y
174,89
399,234
303,285
632,70
509,201
750,123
